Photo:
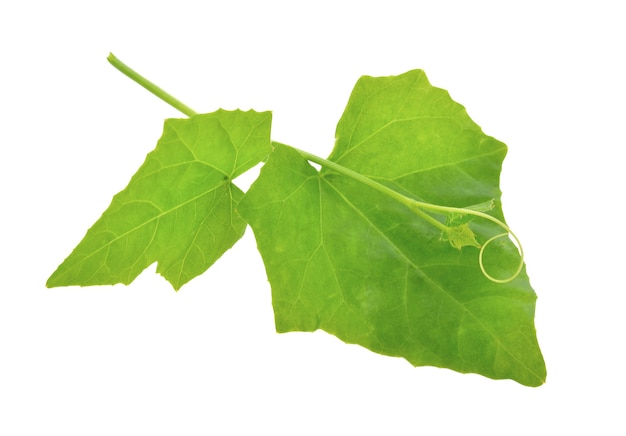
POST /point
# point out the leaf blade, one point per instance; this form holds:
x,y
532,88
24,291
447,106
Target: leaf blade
x,y
346,259
178,209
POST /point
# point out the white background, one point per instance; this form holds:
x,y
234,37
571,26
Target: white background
x,y
547,78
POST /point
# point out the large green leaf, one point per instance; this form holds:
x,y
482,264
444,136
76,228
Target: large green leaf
x,y
347,259
179,208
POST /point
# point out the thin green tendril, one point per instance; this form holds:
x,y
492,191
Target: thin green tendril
x,y
519,267
508,231
418,207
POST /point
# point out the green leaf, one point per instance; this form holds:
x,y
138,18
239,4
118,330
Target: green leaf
x,y
461,236
179,208
348,259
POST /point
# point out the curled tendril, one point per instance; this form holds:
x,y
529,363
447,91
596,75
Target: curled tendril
x,y
480,214
519,267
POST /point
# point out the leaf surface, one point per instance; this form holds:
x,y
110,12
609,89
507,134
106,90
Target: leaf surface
x,y
347,259
179,208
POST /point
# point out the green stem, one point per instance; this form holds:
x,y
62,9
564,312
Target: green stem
x,y
154,89
372,184
411,203
416,206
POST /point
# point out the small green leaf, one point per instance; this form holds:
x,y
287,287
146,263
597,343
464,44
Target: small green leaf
x,y
178,209
350,260
460,236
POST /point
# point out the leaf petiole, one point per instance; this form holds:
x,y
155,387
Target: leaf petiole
x,y
150,86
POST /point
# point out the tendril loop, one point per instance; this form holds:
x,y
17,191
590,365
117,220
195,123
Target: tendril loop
x,y
479,214
519,267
